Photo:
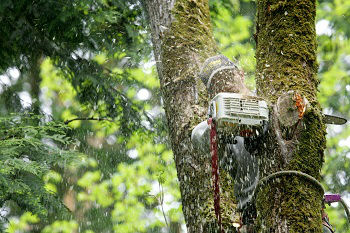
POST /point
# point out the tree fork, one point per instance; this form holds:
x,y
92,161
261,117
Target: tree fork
x,y
286,69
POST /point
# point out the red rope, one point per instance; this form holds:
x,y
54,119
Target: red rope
x,y
215,169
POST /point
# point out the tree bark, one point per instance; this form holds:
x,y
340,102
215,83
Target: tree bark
x,y
286,61
34,80
182,39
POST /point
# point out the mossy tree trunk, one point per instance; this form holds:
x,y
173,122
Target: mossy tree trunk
x,y
182,39
286,72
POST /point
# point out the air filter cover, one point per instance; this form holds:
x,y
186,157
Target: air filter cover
x,y
239,115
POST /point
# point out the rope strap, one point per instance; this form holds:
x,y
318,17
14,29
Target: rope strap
x,y
215,169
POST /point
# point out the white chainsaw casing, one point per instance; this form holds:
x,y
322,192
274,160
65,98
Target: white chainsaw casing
x,y
239,115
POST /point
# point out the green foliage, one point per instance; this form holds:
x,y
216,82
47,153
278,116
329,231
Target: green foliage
x,y
135,190
61,227
59,29
29,148
233,31
334,95
23,224
85,41
87,53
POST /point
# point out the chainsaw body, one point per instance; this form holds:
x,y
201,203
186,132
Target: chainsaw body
x,y
238,115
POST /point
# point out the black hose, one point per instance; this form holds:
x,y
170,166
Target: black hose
x,y
346,208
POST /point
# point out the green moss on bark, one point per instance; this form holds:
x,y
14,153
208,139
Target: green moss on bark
x,y
308,156
292,199
286,51
289,204
186,44
230,216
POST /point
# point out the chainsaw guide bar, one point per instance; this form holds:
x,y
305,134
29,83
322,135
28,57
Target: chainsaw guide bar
x,y
334,120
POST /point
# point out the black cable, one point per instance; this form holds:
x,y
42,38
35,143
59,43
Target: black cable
x,y
297,173
346,208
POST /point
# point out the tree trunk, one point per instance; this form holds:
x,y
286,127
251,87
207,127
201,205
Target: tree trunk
x,y
34,80
182,39
286,61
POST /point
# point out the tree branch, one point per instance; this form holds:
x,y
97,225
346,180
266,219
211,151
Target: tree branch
x,y
87,119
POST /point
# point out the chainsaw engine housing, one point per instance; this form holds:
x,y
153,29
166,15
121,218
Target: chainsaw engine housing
x,y
239,115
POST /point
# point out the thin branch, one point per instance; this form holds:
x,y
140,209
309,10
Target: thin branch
x,y
87,119
161,202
